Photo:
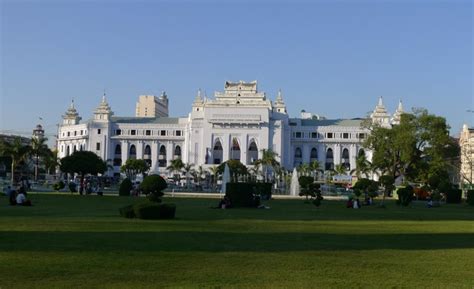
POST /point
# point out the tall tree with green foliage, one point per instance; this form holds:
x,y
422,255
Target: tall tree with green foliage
x,y
17,151
39,149
133,167
83,163
417,148
175,168
268,160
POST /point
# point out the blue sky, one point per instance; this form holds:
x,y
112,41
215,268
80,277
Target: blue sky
x,y
331,58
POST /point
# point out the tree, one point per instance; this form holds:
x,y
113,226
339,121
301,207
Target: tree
x,y
363,166
51,161
415,149
175,168
39,149
83,163
315,168
188,170
153,186
340,169
388,185
133,167
235,168
17,152
303,168
214,170
267,160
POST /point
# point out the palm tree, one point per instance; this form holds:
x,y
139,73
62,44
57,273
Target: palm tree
x,y
315,167
198,175
39,148
188,169
214,171
303,168
268,159
51,161
340,169
175,167
17,151
363,166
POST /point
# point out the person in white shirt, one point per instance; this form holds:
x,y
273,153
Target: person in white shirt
x,y
21,199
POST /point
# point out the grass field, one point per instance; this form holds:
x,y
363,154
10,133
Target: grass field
x,y
81,242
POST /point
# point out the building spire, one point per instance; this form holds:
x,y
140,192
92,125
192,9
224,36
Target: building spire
x,y
279,96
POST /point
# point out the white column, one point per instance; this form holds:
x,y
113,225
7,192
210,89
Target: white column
x,y
337,154
169,152
124,147
353,155
154,156
244,147
225,147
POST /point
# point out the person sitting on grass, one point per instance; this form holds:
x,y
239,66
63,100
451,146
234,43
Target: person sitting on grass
x,y
224,203
21,199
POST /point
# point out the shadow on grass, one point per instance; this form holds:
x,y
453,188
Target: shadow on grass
x,y
189,241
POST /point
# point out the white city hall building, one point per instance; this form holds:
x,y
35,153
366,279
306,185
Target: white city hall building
x,y
239,123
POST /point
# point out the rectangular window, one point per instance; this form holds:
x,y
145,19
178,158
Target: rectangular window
x,y
345,135
163,132
97,146
178,133
68,133
329,135
118,132
75,133
298,134
148,132
82,132
314,135
98,131
361,135
133,132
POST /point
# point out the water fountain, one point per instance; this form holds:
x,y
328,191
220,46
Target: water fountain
x,y
295,185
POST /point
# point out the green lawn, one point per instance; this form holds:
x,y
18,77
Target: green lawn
x,y
71,241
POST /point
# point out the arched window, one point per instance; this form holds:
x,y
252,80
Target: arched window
x,y
132,152
252,154
235,150
162,157
118,155
177,152
314,154
147,155
298,155
361,153
345,159
217,152
67,150
329,160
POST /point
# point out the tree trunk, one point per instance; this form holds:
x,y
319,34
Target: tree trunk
x,y
13,172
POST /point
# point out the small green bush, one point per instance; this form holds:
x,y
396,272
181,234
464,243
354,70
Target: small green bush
x,y
470,197
242,194
72,187
125,187
153,186
127,212
453,196
154,211
405,196
59,186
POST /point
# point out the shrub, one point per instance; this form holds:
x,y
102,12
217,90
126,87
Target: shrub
x,y
127,212
264,190
242,194
72,187
125,187
453,196
154,211
153,186
470,197
59,186
405,196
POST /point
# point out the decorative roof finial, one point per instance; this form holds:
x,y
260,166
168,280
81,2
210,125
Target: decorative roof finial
x,y
380,101
279,96
400,106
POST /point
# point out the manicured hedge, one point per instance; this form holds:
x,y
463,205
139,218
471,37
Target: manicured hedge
x,y
127,212
248,194
125,187
470,197
405,195
154,211
454,196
